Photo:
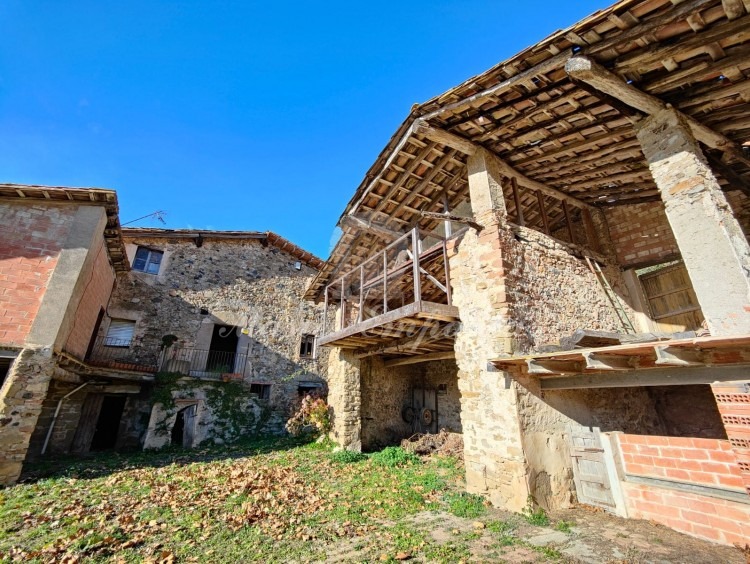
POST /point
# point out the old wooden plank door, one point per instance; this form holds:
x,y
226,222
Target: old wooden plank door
x,y
188,429
671,299
590,469
90,410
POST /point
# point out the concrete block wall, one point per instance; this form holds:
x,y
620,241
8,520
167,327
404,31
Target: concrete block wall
x,y
683,463
31,237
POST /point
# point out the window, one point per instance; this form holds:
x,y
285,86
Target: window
x,y
120,333
263,391
305,388
6,361
147,260
307,346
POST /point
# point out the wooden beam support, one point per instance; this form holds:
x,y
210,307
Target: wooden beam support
x,y
592,73
547,367
469,148
676,356
650,377
377,230
733,8
601,362
429,357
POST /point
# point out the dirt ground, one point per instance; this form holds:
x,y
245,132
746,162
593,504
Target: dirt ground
x,y
593,537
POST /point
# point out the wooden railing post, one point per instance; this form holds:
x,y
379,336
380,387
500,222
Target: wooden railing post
x,y
385,281
415,265
325,312
360,315
343,303
447,273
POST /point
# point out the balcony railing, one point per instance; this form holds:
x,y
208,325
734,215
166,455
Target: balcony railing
x,y
133,355
411,269
121,354
202,363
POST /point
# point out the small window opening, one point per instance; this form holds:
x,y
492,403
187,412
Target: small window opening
x,y
307,346
306,388
147,260
298,265
120,333
263,391
204,311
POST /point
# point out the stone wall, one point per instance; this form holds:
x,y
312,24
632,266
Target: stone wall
x,y
385,393
237,282
345,398
21,399
444,373
67,420
550,292
31,237
224,414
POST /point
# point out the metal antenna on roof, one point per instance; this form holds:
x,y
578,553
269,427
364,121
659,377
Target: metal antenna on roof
x,y
158,214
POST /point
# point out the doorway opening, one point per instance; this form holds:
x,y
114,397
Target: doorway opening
x,y
108,423
183,430
223,350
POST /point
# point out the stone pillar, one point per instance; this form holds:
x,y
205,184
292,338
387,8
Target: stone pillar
x,y
712,244
345,398
485,184
493,452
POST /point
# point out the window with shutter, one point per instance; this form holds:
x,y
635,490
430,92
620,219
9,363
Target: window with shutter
x,y
120,333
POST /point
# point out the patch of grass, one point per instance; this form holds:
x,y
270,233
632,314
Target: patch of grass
x,y
448,552
534,514
392,457
465,505
347,457
549,551
501,527
563,526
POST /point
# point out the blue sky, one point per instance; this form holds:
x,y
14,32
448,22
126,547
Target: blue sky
x,y
236,115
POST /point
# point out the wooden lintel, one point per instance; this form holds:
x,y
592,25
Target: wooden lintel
x,y
595,75
652,377
676,356
429,357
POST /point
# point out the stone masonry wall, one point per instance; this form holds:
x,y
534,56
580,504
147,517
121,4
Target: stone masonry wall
x,y
385,393
551,293
445,372
345,398
31,237
241,283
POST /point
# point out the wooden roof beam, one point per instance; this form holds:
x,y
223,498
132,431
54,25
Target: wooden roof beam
x,y
469,148
593,74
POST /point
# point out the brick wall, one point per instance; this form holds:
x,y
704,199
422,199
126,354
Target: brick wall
x,y
703,462
641,234
100,279
30,242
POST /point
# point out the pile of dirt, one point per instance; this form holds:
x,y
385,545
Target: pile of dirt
x,y
444,443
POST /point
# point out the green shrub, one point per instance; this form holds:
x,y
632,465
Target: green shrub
x,y
534,514
393,457
347,457
465,505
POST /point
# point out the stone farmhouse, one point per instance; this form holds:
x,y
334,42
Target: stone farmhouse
x,y
90,313
552,259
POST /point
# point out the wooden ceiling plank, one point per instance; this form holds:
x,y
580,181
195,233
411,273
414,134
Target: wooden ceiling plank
x,y
600,78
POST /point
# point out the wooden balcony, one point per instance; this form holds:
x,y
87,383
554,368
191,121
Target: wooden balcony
x,y
398,302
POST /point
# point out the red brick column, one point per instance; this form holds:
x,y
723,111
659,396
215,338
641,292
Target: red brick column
x,y
733,400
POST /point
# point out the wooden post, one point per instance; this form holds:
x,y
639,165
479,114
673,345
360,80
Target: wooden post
x,y
568,223
542,211
447,211
517,200
385,281
360,316
343,303
415,264
325,312
591,237
447,273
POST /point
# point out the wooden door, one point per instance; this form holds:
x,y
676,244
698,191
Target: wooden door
x,y
589,468
188,429
671,299
90,410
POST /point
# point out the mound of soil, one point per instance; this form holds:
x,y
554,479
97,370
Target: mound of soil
x,y
444,443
